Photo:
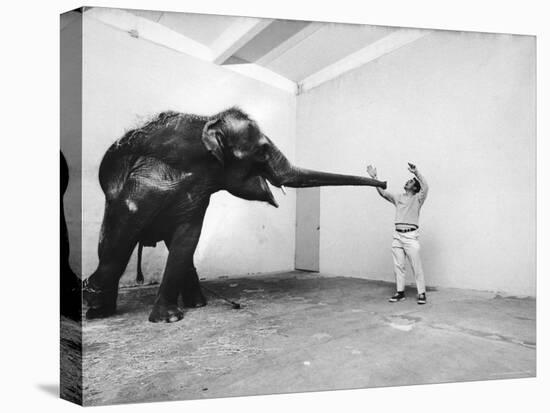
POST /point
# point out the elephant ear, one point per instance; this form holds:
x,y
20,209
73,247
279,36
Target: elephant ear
x,y
211,138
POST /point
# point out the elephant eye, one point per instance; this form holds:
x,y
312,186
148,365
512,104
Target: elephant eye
x,y
263,150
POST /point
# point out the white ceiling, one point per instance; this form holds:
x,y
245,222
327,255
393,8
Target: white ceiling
x,y
331,43
301,54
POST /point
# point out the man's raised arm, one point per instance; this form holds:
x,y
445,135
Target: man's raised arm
x,y
371,170
423,193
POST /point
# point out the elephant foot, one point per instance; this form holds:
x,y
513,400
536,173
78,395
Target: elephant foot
x,y
101,302
165,313
72,310
100,312
71,304
193,298
73,313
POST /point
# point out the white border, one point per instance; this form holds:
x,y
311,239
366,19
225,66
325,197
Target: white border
x,y
30,36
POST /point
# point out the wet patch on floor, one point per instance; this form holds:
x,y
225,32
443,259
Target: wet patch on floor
x,y
485,335
402,322
321,336
512,297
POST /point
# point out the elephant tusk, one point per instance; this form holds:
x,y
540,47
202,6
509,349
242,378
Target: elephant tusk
x,y
283,189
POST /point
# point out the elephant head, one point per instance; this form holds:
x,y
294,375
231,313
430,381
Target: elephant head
x,y
250,159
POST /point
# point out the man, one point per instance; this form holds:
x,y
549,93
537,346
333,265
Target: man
x,y
405,237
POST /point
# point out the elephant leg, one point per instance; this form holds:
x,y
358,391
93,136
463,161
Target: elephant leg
x,y
139,276
70,285
191,292
124,219
179,275
101,289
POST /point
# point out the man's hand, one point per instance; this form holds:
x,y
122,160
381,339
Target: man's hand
x,y
371,170
412,168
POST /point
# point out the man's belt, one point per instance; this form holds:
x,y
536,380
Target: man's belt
x,y
406,230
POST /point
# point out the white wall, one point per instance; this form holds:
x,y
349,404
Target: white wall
x,y
461,106
125,81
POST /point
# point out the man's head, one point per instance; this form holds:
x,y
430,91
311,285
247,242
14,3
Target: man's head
x,y
412,185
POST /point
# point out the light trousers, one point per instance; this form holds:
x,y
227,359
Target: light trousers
x,y
405,244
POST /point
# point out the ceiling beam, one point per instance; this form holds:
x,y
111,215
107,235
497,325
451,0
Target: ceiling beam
x,y
289,43
236,36
147,29
264,75
381,47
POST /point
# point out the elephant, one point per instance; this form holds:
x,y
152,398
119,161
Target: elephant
x,y
157,180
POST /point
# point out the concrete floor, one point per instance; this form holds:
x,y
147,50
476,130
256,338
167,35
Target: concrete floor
x,y
303,332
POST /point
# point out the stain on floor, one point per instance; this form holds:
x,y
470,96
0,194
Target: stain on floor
x,y
304,332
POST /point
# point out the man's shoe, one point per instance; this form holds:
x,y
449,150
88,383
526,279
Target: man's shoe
x,y
398,296
421,298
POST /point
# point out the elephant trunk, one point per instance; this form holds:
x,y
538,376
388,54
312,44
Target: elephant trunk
x,y
282,172
305,178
